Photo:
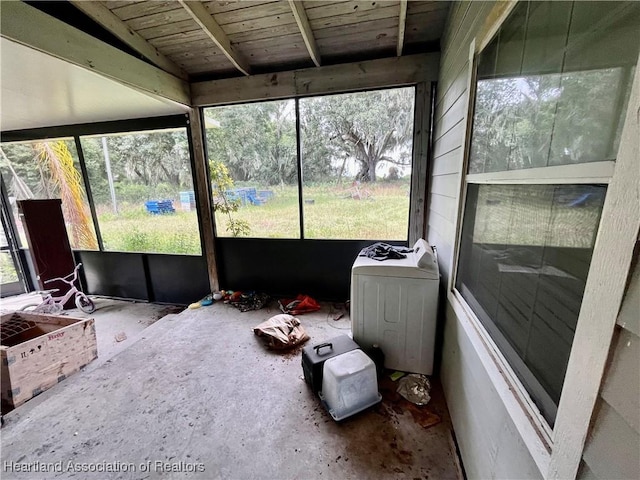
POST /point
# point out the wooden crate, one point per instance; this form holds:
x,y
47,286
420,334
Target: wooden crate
x,y
38,351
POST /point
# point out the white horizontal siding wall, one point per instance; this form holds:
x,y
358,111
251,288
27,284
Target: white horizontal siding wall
x,y
612,449
465,20
490,444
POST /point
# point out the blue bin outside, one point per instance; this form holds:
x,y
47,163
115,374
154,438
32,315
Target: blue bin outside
x,y
187,200
157,207
249,195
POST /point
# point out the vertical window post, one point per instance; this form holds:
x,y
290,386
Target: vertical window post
x,y
299,163
203,192
420,160
87,187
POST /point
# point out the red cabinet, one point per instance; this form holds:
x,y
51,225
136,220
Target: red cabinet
x,y
48,242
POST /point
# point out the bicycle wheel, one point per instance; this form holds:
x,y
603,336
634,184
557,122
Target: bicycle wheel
x,y
29,308
84,303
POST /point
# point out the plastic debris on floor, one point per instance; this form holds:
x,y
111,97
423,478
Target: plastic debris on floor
x,y
281,332
299,305
206,301
394,405
245,301
415,388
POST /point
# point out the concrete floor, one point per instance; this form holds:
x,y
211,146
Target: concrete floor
x,y
198,396
118,322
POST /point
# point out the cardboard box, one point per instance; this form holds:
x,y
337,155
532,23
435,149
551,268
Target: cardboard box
x,y
38,351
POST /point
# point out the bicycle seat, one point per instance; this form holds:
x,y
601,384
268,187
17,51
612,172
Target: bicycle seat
x,y
47,292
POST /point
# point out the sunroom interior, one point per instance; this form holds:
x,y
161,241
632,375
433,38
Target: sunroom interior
x,y
260,145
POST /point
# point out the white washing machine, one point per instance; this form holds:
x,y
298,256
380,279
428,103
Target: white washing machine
x,y
394,304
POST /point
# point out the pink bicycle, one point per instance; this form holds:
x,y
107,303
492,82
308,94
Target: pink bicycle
x,y
54,305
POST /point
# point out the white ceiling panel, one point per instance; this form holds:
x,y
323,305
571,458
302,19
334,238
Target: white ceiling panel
x,y
38,90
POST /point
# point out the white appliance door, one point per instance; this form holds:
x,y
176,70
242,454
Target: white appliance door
x,y
398,314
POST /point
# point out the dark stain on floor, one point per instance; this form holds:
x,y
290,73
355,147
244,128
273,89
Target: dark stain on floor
x,y
394,404
167,310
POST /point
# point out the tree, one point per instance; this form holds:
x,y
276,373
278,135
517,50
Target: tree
x,y
17,186
143,164
48,170
370,127
64,178
222,182
256,142
150,157
541,120
279,164
24,176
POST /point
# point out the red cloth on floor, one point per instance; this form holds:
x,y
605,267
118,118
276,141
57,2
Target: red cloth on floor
x,y
300,304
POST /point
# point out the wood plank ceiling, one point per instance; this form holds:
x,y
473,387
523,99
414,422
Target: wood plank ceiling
x,y
220,39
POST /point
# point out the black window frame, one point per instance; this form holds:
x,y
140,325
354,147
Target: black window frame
x,y
416,99
138,125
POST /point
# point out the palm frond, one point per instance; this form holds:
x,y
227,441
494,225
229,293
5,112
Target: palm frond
x,y
56,158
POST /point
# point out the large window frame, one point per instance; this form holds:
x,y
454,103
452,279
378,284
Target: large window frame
x,y
42,155
220,223
557,452
12,248
422,94
76,132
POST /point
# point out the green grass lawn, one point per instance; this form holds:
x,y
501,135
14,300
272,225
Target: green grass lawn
x,y
379,211
8,272
135,230
330,212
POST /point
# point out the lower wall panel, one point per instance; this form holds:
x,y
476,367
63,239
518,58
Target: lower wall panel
x,y
156,278
490,444
177,278
114,274
320,268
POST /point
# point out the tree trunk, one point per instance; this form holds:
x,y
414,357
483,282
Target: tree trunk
x,y
372,170
367,171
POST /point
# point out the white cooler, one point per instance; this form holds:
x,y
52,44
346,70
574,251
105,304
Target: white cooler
x,y
394,304
349,384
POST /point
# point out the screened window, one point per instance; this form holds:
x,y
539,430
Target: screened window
x,y
354,160
252,152
142,189
49,169
8,270
356,164
551,92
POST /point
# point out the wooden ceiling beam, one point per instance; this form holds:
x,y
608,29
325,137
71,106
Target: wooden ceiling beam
x,y
208,24
305,29
402,25
350,77
105,17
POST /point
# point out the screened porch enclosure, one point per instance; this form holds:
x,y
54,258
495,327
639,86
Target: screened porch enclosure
x,y
320,205
259,146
